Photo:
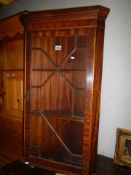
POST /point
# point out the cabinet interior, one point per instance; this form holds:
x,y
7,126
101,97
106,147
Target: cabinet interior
x,y
57,94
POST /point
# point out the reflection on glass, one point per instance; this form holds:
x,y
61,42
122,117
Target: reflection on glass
x,y
58,89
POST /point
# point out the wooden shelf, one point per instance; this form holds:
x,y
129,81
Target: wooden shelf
x,y
59,114
59,70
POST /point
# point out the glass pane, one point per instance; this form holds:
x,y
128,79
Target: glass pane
x,y
58,48
50,138
77,61
58,86
41,61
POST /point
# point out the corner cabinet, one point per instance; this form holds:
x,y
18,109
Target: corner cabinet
x,y
63,53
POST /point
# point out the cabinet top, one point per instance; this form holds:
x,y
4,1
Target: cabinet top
x,y
88,13
11,26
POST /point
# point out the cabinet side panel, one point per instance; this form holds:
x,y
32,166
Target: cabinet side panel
x,y
96,94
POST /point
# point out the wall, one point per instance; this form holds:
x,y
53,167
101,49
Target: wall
x,y
116,80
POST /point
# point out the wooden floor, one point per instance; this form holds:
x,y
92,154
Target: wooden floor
x,y
10,165
10,147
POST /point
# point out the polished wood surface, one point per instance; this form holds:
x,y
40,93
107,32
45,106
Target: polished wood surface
x,y
10,27
11,88
10,142
63,69
105,166
13,93
11,53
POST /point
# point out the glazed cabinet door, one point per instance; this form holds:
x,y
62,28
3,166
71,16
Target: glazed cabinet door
x,y
59,65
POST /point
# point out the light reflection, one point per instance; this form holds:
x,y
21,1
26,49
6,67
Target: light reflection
x,y
89,79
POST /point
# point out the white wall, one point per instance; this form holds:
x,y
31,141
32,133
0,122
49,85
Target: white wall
x,y
116,80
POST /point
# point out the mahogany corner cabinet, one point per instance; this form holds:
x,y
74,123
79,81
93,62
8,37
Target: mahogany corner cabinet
x,y
63,69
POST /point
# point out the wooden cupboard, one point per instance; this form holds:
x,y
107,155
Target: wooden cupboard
x,y
11,86
63,53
